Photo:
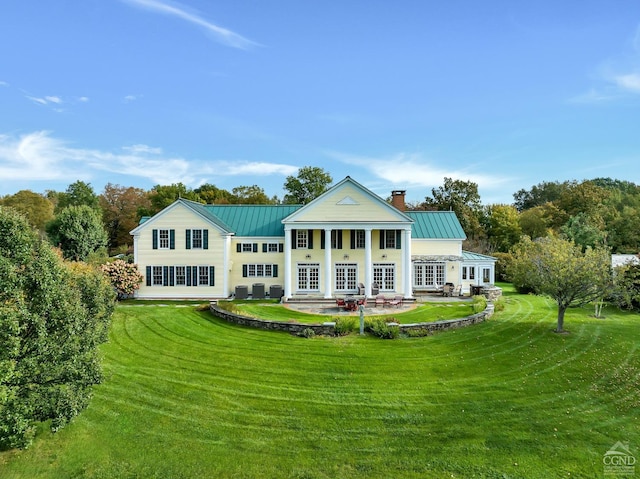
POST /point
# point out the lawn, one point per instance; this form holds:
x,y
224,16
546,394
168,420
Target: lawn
x,y
423,312
190,396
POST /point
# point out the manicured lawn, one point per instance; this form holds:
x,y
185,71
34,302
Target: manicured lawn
x,y
190,396
424,312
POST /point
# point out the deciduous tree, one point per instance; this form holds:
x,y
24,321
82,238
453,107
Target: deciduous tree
x,y
52,319
559,269
120,207
310,183
78,231
36,208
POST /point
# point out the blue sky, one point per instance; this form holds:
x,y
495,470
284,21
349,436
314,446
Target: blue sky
x,y
398,95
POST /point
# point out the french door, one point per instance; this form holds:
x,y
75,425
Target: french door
x,y
308,277
385,275
346,277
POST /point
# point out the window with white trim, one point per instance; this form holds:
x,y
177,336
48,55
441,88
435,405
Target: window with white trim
x,y
163,239
273,247
180,275
360,241
203,276
302,239
428,275
247,247
196,239
469,272
385,275
259,270
157,277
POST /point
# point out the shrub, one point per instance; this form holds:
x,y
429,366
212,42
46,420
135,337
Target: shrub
x,y
380,328
308,333
345,325
479,304
125,277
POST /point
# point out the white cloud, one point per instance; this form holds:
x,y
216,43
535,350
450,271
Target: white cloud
x,y
3,83
130,98
38,156
53,99
83,99
414,170
629,81
221,34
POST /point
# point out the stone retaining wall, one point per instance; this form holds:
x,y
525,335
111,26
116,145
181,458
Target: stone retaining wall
x,y
328,328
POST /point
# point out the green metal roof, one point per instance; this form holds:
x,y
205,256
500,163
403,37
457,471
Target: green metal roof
x,y
253,220
435,225
471,256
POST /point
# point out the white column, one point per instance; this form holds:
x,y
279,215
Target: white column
x,y
328,271
368,266
406,268
226,265
287,264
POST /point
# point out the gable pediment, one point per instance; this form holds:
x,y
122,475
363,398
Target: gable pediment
x,y
348,202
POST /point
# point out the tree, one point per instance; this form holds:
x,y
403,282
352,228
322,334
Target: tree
x,y
211,194
36,208
120,207
461,197
310,183
78,231
504,227
582,231
540,194
77,194
52,319
561,270
162,196
626,293
251,195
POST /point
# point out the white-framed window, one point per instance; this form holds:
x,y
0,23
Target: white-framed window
x,y
468,272
486,275
163,239
196,239
385,275
428,275
388,239
203,276
259,270
180,275
273,247
308,277
247,247
335,238
302,239
360,241
346,277
157,276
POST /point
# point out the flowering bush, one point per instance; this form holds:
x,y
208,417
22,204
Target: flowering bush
x,y
124,277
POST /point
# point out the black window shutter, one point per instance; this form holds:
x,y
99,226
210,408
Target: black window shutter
x,y
244,271
188,241
165,276
280,247
154,233
353,239
239,248
274,270
382,236
310,239
322,239
255,247
148,275
264,247
172,239
212,276
398,239
188,275
171,275
294,239
194,272
205,239
339,235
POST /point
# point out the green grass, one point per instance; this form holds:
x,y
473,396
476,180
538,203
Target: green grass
x,y
424,312
190,396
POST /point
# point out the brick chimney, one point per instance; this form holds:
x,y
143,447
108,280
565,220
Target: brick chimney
x,y
397,199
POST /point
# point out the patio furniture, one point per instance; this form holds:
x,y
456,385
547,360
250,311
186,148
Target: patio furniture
x,y
375,289
458,290
360,288
447,289
340,302
380,300
396,301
